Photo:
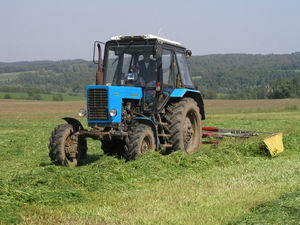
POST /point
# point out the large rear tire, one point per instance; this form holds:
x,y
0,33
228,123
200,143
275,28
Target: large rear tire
x,y
66,149
184,125
140,139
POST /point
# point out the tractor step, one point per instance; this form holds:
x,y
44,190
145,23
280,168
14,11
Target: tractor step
x,y
164,135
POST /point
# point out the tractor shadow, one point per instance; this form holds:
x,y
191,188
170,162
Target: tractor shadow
x,y
45,164
89,159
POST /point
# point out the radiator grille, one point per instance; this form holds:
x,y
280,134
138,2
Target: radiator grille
x,y
97,104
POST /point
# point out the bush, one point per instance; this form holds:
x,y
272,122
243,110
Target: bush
x,y
7,96
35,97
208,94
57,97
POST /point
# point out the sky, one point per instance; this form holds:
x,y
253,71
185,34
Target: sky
x,y
66,29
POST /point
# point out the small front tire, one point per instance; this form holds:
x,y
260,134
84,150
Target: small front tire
x,y
66,149
140,139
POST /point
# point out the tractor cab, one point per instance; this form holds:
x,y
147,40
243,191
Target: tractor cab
x,y
155,65
145,61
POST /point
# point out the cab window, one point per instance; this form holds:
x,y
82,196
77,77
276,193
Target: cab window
x,y
184,69
168,79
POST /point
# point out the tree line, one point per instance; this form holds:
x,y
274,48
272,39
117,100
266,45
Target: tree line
x,y
233,76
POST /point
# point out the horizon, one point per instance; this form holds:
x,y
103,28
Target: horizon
x,y
87,60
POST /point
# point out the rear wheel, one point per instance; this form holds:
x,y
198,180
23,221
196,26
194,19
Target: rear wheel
x,y
66,149
140,139
184,125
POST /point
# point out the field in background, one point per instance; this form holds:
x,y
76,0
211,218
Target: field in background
x,y
43,97
27,109
235,183
249,106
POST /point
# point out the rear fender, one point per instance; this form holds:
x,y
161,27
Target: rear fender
x,y
198,98
195,94
74,122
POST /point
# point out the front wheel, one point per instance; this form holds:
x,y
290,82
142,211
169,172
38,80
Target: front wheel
x,y
66,149
140,139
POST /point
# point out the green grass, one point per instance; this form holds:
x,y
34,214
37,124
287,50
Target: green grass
x,y
45,97
283,210
292,108
234,183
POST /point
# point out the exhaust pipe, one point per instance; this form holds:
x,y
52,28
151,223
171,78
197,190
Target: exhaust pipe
x,y
100,72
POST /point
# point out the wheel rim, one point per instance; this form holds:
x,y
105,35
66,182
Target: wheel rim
x,y
189,130
146,144
69,158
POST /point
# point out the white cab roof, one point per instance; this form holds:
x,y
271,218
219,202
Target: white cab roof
x,y
146,36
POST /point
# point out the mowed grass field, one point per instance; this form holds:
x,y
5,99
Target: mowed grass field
x,y
44,97
235,182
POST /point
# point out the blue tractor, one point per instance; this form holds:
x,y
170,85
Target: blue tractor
x,y
144,99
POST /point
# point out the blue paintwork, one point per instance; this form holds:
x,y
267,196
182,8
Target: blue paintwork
x,y
143,118
116,94
179,93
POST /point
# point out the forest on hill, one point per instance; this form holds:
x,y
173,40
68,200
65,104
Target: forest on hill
x,y
231,76
245,76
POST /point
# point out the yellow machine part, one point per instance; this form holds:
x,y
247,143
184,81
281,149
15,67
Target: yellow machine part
x,y
274,143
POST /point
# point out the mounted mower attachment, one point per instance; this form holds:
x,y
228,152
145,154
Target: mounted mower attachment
x,y
273,143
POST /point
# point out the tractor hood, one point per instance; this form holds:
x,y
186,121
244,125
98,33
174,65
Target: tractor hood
x,y
104,103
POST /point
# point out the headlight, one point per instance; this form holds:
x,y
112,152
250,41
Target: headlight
x,y
82,113
113,112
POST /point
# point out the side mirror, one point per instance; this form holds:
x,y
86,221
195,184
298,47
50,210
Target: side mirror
x,y
188,52
97,54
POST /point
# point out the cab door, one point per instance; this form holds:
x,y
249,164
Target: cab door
x,y
169,70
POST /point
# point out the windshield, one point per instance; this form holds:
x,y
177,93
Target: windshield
x,y
130,65
184,69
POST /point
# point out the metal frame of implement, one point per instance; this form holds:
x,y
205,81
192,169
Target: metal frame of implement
x,y
273,142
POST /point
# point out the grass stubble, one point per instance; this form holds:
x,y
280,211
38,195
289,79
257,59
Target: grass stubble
x,y
234,183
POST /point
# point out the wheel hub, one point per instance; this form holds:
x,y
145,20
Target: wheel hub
x,y
69,148
188,132
146,145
